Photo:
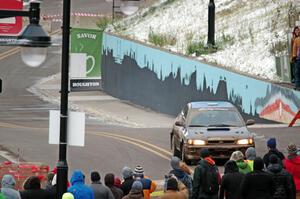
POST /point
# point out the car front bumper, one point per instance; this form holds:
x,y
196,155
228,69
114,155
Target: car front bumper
x,y
216,151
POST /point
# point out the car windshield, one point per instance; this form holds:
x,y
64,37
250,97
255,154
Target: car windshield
x,y
217,118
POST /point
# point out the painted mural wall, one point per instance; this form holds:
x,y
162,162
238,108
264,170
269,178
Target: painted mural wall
x,y
165,82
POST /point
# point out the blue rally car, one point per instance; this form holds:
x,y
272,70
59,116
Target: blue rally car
x,y
216,125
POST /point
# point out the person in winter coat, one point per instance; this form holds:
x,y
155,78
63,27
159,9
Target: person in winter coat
x,y
8,187
100,191
127,174
181,175
207,178
250,156
231,181
49,177
67,196
271,144
257,184
175,190
51,188
292,165
33,189
295,34
243,166
136,191
149,186
78,188
283,181
296,60
109,180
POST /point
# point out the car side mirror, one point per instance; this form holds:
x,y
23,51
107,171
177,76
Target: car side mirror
x,y
179,123
250,122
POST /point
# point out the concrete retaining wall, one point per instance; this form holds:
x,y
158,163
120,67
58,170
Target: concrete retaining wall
x,y
165,82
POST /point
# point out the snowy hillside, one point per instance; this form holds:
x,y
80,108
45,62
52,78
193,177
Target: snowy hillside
x,y
250,33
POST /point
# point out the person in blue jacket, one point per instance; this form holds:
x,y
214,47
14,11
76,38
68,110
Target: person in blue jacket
x,y
78,188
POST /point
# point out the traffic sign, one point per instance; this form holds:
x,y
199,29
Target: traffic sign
x,y
11,25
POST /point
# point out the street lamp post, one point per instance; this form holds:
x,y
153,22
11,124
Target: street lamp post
x,y
33,39
211,23
62,165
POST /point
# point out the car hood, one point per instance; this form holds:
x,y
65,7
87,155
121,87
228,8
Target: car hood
x,y
217,132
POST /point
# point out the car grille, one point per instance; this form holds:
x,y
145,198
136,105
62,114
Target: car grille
x,y
220,141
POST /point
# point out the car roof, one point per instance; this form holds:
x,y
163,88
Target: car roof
x,y
211,104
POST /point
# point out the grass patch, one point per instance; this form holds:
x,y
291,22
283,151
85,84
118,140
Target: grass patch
x,y
201,48
161,40
103,23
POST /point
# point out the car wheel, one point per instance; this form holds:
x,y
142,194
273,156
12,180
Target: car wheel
x,y
175,151
183,158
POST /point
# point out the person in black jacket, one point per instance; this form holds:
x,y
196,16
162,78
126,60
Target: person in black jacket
x,y
206,178
257,184
33,189
231,181
128,180
271,143
283,181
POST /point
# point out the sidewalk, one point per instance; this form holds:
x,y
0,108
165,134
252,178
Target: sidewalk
x,y
105,108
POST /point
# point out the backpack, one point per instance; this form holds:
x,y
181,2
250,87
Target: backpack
x,y
211,179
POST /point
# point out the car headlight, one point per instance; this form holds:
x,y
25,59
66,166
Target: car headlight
x,y
196,142
245,141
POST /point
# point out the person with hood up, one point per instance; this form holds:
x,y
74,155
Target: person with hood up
x,y
243,166
257,184
292,165
175,190
109,181
250,156
181,175
100,191
33,189
149,186
206,177
67,196
78,188
283,181
8,187
136,191
271,144
231,181
127,174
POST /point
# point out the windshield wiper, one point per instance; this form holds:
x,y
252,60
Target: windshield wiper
x,y
197,125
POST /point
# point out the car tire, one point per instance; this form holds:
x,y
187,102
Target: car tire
x,y
183,158
175,151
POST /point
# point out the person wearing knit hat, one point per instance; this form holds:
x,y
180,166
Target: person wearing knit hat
x,y
136,191
100,191
250,156
292,165
272,144
182,172
67,196
127,174
149,185
175,190
109,180
243,165
257,184
138,172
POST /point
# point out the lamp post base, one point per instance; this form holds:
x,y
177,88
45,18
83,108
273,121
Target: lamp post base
x,y
62,178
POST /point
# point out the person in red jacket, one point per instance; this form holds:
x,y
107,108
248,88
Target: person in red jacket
x,y
292,165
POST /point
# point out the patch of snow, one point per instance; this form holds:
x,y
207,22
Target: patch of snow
x,y
256,26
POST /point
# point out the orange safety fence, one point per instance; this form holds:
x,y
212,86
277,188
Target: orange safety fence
x,y
22,170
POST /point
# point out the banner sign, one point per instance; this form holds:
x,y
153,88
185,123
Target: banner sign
x,y
11,25
86,51
85,85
